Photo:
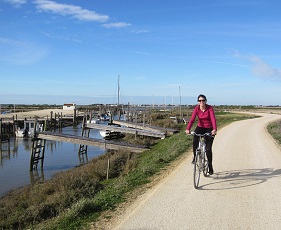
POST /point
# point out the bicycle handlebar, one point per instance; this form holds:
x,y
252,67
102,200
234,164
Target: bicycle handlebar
x,y
202,135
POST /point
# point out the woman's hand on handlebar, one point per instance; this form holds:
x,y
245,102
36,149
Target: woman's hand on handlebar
x,y
187,131
214,132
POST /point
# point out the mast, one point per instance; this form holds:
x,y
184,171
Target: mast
x,y
180,102
118,93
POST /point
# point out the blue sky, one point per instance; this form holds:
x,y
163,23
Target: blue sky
x,y
66,51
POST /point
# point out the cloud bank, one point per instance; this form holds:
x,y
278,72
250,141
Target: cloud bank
x,y
71,10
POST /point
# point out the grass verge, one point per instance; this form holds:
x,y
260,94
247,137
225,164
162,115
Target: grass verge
x,y
274,130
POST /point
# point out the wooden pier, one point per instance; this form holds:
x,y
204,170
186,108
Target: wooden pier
x,y
91,141
38,149
142,126
37,153
135,131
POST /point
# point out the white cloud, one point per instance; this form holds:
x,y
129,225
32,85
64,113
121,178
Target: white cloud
x,y
143,53
259,67
262,69
116,25
74,11
71,10
10,42
140,31
65,38
19,52
15,3
228,63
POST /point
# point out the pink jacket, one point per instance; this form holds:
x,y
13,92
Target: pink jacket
x,y
206,119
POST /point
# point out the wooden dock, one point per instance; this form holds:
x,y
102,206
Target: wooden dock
x,y
90,141
145,127
133,130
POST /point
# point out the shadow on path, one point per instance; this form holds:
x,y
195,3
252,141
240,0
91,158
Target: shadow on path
x,y
239,178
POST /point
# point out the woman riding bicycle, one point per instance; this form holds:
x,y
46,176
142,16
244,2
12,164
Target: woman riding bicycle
x,y
206,124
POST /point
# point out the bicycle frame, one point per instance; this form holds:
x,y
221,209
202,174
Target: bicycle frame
x,y
201,162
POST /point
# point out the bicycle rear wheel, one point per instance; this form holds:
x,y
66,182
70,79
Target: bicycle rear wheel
x,y
197,168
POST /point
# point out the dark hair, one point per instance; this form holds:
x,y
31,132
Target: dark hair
x,y
201,95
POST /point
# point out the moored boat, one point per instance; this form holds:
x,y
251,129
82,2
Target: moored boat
x,y
29,129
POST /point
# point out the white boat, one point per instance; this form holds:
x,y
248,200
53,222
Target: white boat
x,y
94,121
105,117
28,129
20,132
109,134
104,133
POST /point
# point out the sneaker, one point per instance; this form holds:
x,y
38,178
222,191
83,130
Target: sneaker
x,y
211,170
193,161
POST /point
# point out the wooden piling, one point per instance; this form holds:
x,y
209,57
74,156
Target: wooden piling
x,y
0,129
84,133
37,153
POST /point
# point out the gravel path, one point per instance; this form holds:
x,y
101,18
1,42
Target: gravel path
x,y
243,193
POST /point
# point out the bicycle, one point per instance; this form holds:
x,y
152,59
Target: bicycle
x,y
200,161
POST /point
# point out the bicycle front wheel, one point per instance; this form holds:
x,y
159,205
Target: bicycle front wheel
x,y
205,165
197,169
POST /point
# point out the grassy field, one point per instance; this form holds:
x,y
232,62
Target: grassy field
x,y
73,199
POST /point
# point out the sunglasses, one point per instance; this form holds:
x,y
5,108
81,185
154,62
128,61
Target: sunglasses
x,y
201,100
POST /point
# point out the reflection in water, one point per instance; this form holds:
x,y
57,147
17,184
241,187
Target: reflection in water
x,y
36,176
6,151
83,158
59,156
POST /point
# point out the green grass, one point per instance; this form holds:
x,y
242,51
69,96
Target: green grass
x,y
274,130
73,199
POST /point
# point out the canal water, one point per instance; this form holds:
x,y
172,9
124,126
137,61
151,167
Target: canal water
x,y
59,156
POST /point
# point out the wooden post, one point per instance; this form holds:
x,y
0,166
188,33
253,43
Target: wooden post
x,y
83,149
61,120
91,116
119,114
74,117
35,126
45,124
51,121
43,151
108,166
55,122
14,127
0,129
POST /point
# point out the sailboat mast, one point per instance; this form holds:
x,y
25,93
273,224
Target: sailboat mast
x,y
118,91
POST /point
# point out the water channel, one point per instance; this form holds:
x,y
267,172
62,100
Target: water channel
x,y
59,156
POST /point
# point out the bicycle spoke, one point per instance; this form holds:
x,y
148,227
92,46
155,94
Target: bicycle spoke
x,y
205,166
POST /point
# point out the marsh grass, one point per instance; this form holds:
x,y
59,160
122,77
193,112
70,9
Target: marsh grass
x,y
74,198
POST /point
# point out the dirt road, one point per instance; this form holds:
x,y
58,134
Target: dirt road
x,y
39,113
243,193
